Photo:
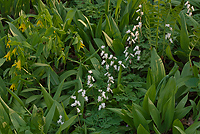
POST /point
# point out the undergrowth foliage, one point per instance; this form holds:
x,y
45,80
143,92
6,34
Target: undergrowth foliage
x,y
94,66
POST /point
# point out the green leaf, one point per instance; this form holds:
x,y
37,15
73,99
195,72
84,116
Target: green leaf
x,y
98,31
155,129
115,30
180,113
184,37
16,97
182,103
58,91
169,53
124,21
177,123
180,130
16,33
157,67
3,91
109,41
117,7
66,74
118,47
192,129
155,114
107,7
66,124
2,60
142,130
49,117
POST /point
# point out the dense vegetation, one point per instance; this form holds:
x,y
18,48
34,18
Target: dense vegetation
x,y
99,66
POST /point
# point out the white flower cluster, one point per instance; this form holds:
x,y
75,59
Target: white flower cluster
x,y
132,39
76,103
60,120
103,105
129,55
168,35
189,9
89,82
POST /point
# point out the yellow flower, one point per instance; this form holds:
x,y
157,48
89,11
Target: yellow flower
x,y
17,64
54,31
13,87
40,23
14,51
82,45
8,45
8,56
22,27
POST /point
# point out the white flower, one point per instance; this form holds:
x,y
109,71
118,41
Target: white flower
x,y
115,67
102,47
118,68
111,56
115,58
126,54
90,71
90,85
167,35
132,55
128,31
107,67
134,28
86,98
188,10
190,14
123,66
106,73
127,58
171,40
142,13
93,79
192,8
103,62
73,104
170,28
102,53
128,39
138,57
99,99
140,24
132,34
73,97
60,116
140,6
81,89
167,25
100,90
78,110
119,62
99,107
105,56
133,41
136,48
137,52
111,63
186,3
130,61
137,10
103,94
137,18
103,105
137,33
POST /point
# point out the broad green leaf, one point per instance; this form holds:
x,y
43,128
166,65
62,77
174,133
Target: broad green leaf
x,y
177,123
118,47
49,117
155,114
16,120
66,74
180,113
180,131
107,5
117,8
109,41
142,130
3,91
29,90
182,103
151,93
98,31
66,124
169,54
192,129
95,63
99,42
4,120
155,129
187,70
115,30
27,45
124,21
33,98
138,119
157,67
16,97
2,60
58,91
184,36
149,79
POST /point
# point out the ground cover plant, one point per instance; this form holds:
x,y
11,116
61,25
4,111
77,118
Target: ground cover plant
x,y
100,66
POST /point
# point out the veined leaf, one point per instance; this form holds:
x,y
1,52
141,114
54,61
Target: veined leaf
x,y
142,130
109,41
177,123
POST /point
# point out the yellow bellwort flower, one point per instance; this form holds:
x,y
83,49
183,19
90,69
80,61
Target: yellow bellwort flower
x,y
22,27
8,44
18,64
40,23
14,51
8,56
13,87
82,45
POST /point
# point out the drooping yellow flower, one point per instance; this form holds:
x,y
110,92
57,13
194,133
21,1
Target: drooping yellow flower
x,y
8,56
17,64
82,45
14,51
22,27
40,23
54,31
8,45
13,87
